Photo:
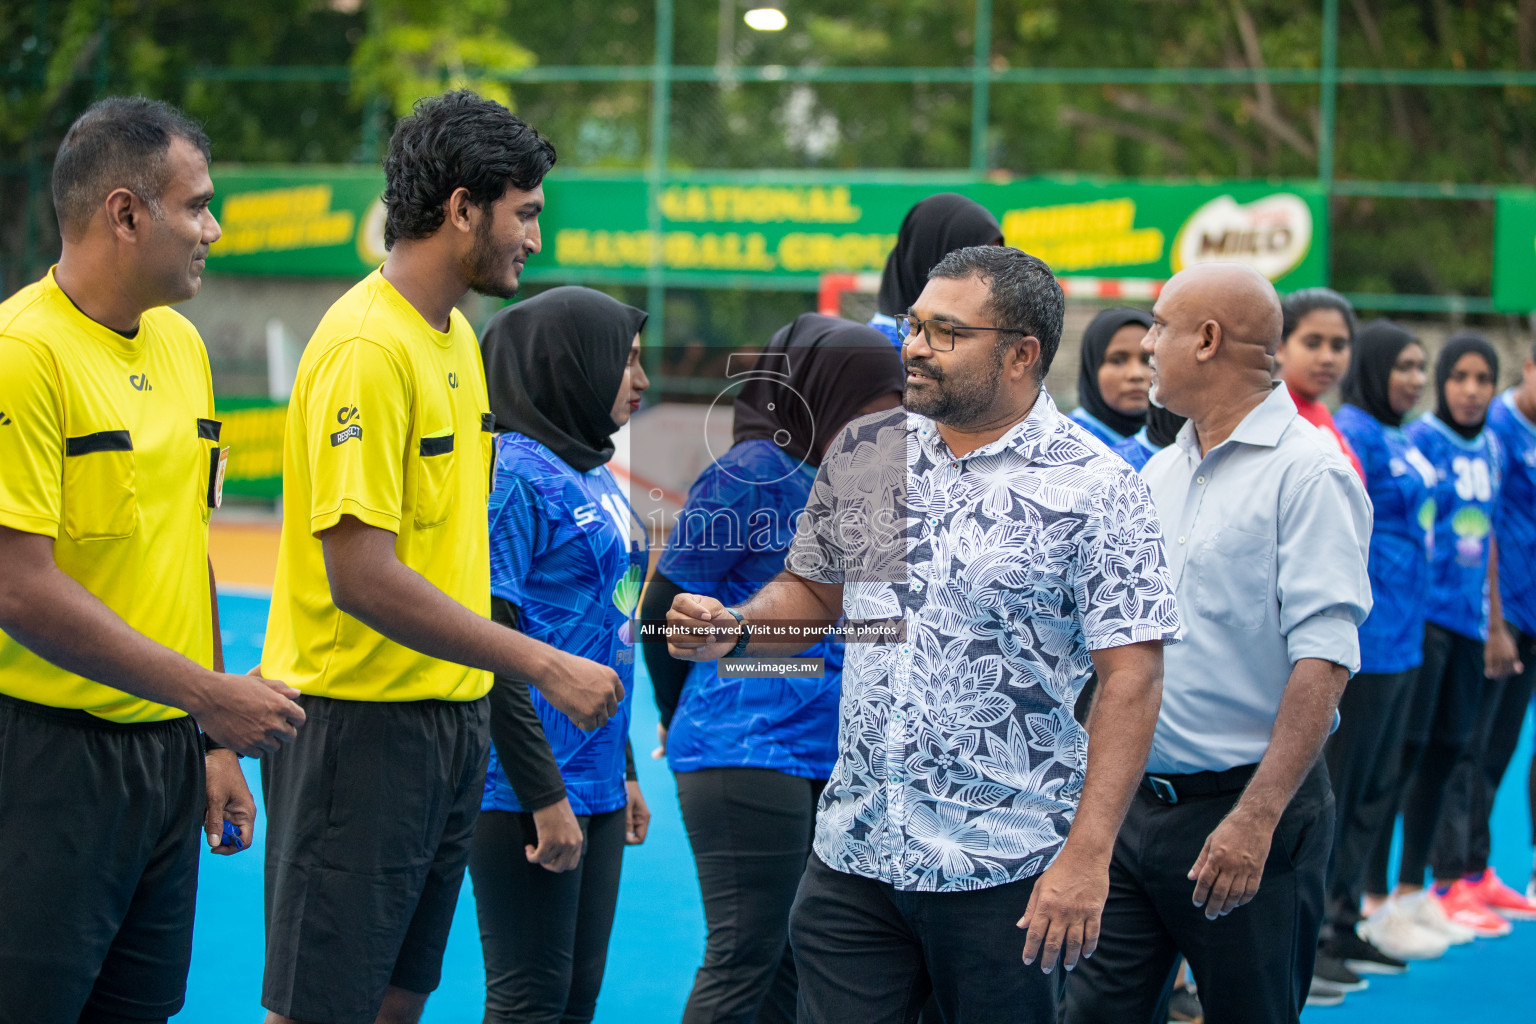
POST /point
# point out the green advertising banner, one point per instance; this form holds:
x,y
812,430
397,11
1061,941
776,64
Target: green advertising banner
x,y
1085,229
330,221
1514,252
253,430
299,221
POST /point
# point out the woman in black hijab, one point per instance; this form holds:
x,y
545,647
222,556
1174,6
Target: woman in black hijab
x,y
567,557
552,366
751,755
1114,375
1466,354
931,230
1383,383
1386,373
834,373
1449,687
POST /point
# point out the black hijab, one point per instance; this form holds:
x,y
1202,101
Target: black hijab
x,y
1101,331
931,230
836,366
1376,348
1456,346
1163,425
553,366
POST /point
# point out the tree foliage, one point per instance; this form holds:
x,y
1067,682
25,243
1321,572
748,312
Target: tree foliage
x,y
414,48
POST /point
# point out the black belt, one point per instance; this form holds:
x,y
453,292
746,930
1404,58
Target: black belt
x,y
1170,789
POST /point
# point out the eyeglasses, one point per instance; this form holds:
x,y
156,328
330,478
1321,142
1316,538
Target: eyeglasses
x,y
940,334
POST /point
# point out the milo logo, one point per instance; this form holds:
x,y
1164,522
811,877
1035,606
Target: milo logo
x,y
1272,234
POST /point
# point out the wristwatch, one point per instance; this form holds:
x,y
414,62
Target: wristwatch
x,y
744,639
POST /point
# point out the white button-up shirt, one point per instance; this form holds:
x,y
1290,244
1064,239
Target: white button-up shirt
x,y
959,762
1267,541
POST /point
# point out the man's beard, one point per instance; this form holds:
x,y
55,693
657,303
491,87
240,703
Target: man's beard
x,y
957,403
485,265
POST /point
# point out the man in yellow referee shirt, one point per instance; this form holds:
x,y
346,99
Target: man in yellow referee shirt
x,y
108,631
380,611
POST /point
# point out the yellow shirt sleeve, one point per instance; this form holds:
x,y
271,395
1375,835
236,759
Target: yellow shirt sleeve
x,y
357,409
31,441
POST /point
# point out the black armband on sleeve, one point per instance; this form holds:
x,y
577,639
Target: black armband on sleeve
x,y
518,734
667,673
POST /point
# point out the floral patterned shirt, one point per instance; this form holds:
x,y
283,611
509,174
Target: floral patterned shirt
x,y
959,761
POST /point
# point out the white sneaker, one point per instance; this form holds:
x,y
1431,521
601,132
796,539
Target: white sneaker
x,y
1393,931
1425,911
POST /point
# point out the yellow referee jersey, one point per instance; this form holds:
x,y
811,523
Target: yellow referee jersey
x,y
107,444
389,422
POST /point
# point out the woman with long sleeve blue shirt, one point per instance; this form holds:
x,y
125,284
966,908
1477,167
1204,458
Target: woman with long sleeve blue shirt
x,y
567,558
1383,383
751,755
1443,708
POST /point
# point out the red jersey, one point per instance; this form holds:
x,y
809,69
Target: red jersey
x,y
1317,414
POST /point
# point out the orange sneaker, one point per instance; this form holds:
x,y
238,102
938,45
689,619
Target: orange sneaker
x,y
1463,907
1492,893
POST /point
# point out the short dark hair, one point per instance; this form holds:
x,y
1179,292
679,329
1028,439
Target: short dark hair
x,y
1309,300
119,142
1022,292
456,140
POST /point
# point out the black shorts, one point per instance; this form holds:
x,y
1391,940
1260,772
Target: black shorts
x,y
100,828
369,818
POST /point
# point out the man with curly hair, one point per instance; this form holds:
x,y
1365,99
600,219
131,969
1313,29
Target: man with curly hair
x,y
380,611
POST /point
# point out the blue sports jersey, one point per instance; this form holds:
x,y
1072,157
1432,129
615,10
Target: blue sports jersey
x,y
1136,449
568,551
887,326
731,539
1401,483
1514,518
1466,488
1096,426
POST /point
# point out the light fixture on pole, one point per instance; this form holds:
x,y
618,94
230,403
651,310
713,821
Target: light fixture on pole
x,y
766,16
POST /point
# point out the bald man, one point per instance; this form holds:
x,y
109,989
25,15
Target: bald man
x,y
1223,854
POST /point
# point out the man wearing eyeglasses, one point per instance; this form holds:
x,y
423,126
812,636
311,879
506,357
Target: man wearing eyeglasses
x,y
993,554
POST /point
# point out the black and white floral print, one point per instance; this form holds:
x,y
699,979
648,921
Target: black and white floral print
x,y
959,761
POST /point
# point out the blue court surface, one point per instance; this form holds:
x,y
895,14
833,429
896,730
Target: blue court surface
x,y
658,937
